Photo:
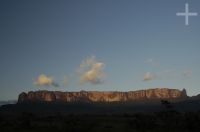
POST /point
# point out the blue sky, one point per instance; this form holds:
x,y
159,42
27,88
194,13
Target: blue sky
x,y
121,45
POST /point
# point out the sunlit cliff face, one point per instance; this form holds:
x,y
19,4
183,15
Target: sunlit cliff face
x,y
96,96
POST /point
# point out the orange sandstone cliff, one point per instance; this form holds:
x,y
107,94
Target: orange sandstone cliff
x,y
97,96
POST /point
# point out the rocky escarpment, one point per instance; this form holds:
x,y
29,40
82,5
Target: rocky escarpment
x,y
96,96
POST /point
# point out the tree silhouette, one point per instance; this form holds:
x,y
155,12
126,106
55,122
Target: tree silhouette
x,y
166,104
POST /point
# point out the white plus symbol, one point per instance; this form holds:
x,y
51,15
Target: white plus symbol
x,y
186,14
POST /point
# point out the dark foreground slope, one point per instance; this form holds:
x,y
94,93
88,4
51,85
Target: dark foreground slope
x,y
159,116
170,121
101,107
88,118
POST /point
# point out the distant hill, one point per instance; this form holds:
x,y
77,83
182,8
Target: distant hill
x,y
8,102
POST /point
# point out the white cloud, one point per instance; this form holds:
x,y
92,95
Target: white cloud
x,y
163,75
91,71
88,62
149,76
44,80
167,75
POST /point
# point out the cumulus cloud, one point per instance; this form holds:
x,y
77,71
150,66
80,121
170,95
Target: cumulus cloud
x,y
91,71
44,80
167,74
163,75
149,76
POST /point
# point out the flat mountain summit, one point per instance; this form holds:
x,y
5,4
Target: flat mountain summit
x,y
102,96
100,102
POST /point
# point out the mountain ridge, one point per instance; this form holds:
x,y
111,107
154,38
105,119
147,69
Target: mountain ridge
x,y
102,96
